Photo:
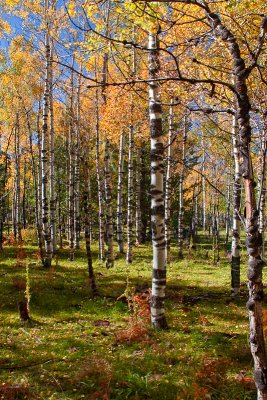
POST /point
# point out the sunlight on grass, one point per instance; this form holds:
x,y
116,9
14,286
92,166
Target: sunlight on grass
x,y
73,350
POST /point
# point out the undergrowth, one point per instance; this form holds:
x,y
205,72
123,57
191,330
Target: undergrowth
x,y
83,347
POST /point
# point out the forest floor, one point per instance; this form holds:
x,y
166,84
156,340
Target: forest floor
x,y
80,347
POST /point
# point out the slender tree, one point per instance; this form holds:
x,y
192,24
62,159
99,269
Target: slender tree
x,y
158,318
120,239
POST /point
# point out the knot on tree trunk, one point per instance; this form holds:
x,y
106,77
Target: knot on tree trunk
x,y
255,266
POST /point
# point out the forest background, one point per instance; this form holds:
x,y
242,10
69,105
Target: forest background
x,y
125,123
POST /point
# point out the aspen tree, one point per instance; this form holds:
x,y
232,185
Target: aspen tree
x,y
138,222
168,184
120,239
53,219
99,184
181,193
71,168
45,170
77,168
158,318
235,256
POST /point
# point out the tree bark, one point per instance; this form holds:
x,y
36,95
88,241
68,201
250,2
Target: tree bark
x,y
45,171
254,237
158,318
181,194
87,212
71,170
168,185
235,259
120,197
138,221
77,170
99,186
53,218
129,253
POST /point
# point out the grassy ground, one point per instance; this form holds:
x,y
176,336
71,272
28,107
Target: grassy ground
x,y
80,347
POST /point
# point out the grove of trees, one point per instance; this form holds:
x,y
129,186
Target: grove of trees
x,y
129,122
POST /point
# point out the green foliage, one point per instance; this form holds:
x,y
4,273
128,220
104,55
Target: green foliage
x,y
66,354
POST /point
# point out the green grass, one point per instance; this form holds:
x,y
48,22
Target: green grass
x,y
63,355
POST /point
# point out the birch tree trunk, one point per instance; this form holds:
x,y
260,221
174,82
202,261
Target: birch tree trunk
x,y
99,186
45,170
138,222
158,318
53,217
77,171
13,210
181,195
109,223
129,253
24,216
168,185
17,199
204,213
254,237
39,175
227,217
235,258
71,170
262,185
143,196
120,197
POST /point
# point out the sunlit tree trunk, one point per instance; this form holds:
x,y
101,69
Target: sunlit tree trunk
x,y
168,185
36,181
24,216
17,163
143,196
227,216
45,169
254,237
119,196
13,210
129,253
39,179
204,215
235,258
109,223
107,175
138,222
77,171
99,186
71,170
158,318
181,194
53,218
262,183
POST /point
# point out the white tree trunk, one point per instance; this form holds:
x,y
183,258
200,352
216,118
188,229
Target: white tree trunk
x,y
120,197
138,222
99,186
235,259
181,194
129,253
262,185
158,318
109,225
77,170
53,218
168,185
45,169
71,170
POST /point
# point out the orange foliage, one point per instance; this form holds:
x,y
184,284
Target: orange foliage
x,y
139,322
